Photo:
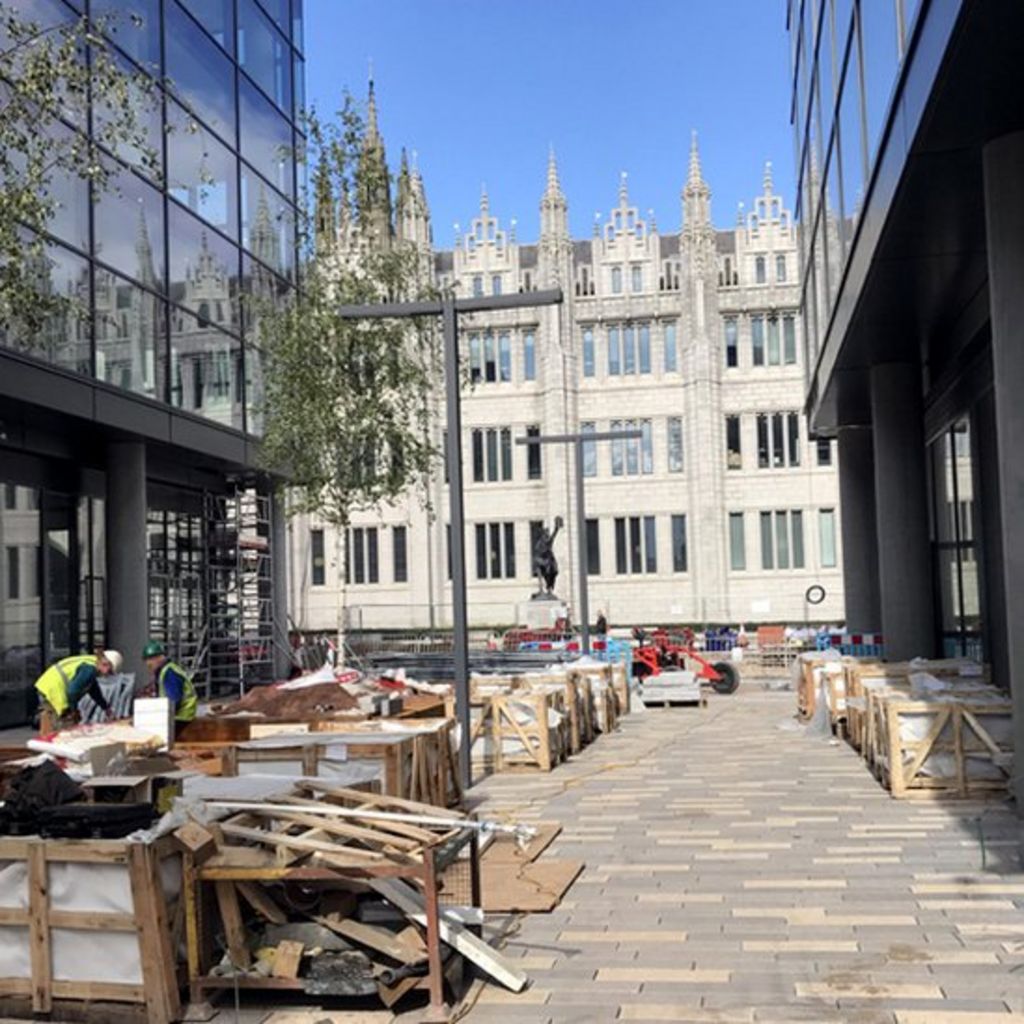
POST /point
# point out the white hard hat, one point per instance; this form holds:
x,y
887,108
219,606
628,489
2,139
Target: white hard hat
x,y
115,659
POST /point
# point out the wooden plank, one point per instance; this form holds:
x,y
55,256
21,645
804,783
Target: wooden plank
x,y
92,920
95,991
380,802
308,845
411,903
287,959
234,930
39,928
152,952
342,828
260,900
373,937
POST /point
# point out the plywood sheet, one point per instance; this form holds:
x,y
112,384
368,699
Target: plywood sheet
x,y
505,850
532,888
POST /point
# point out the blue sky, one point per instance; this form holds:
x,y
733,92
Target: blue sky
x,y
481,88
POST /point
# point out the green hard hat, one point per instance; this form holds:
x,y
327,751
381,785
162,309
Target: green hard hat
x,y
154,649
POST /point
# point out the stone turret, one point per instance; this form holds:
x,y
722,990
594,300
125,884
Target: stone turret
x,y
373,185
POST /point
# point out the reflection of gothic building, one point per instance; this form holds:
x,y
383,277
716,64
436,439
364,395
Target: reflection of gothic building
x,y
723,510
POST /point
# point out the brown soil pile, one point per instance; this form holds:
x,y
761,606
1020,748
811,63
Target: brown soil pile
x,y
308,702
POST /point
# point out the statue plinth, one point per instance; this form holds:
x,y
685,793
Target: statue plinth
x,y
542,611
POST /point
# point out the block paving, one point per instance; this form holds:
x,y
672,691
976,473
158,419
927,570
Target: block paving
x,y
741,870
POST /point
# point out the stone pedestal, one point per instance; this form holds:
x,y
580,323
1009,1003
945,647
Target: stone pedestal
x,y
541,614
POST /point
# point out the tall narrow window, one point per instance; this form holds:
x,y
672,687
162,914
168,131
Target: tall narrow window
x,y
737,542
510,551
732,355
621,562
478,285
778,446
636,560
679,543
358,556
496,284
793,432
614,352
448,547
480,531
628,350
827,537
733,450
534,469
757,340
372,560
824,448
506,453
13,572
316,550
644,332
478,456
767,542
589,450
399,555
588,352
505,358
780,268
651,546
618,445
495,563
781,541
675,444
632,451
490,363
646,447
492,455
476,359
636,279
616,280
593,548
789,340
796,522
774,354
671,355
760,275
529,357
764,459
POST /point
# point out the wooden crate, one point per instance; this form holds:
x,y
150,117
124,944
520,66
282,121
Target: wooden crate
x,y
606,708
519,729
620,683
965,747
415,765
134,871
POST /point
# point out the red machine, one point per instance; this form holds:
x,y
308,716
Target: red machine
x,y
659,650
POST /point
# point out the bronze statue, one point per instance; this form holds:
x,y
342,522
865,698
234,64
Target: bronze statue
x,y
545,565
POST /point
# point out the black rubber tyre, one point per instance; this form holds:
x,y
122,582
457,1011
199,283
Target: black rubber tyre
x,y
730,681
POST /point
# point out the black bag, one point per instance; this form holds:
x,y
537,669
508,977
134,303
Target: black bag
x,y
32,791
94,821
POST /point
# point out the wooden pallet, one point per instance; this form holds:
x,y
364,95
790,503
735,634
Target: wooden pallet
x,y
150,920
961,737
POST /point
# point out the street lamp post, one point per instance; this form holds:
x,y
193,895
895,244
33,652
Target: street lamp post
x,y
577,440
449,308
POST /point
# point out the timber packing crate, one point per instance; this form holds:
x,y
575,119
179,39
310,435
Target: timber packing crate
x,y
924,728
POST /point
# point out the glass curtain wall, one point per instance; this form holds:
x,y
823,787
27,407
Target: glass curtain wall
x,y
158,266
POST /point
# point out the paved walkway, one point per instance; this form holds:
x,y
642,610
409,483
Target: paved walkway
x,y
740,870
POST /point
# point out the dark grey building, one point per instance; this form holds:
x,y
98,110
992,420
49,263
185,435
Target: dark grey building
x,y
910,141
130,501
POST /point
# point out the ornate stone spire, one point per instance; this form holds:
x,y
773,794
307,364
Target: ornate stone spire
x,y
623,188
325,217
769,184
144,251
373,186
696,194
554,210
264,237
485,203
695,177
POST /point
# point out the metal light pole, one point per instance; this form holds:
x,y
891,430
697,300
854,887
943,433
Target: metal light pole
x,y
448,308
577,440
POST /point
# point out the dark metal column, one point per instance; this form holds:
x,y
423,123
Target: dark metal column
x,y
460,627
581,533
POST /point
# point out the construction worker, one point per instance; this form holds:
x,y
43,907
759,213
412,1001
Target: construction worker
x,y
67,681
171,681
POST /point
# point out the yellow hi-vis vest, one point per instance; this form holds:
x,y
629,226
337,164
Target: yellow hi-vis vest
x,y
54,682
186,709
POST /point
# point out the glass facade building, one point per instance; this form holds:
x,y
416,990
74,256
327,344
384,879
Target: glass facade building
x,y
125,414
909,140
